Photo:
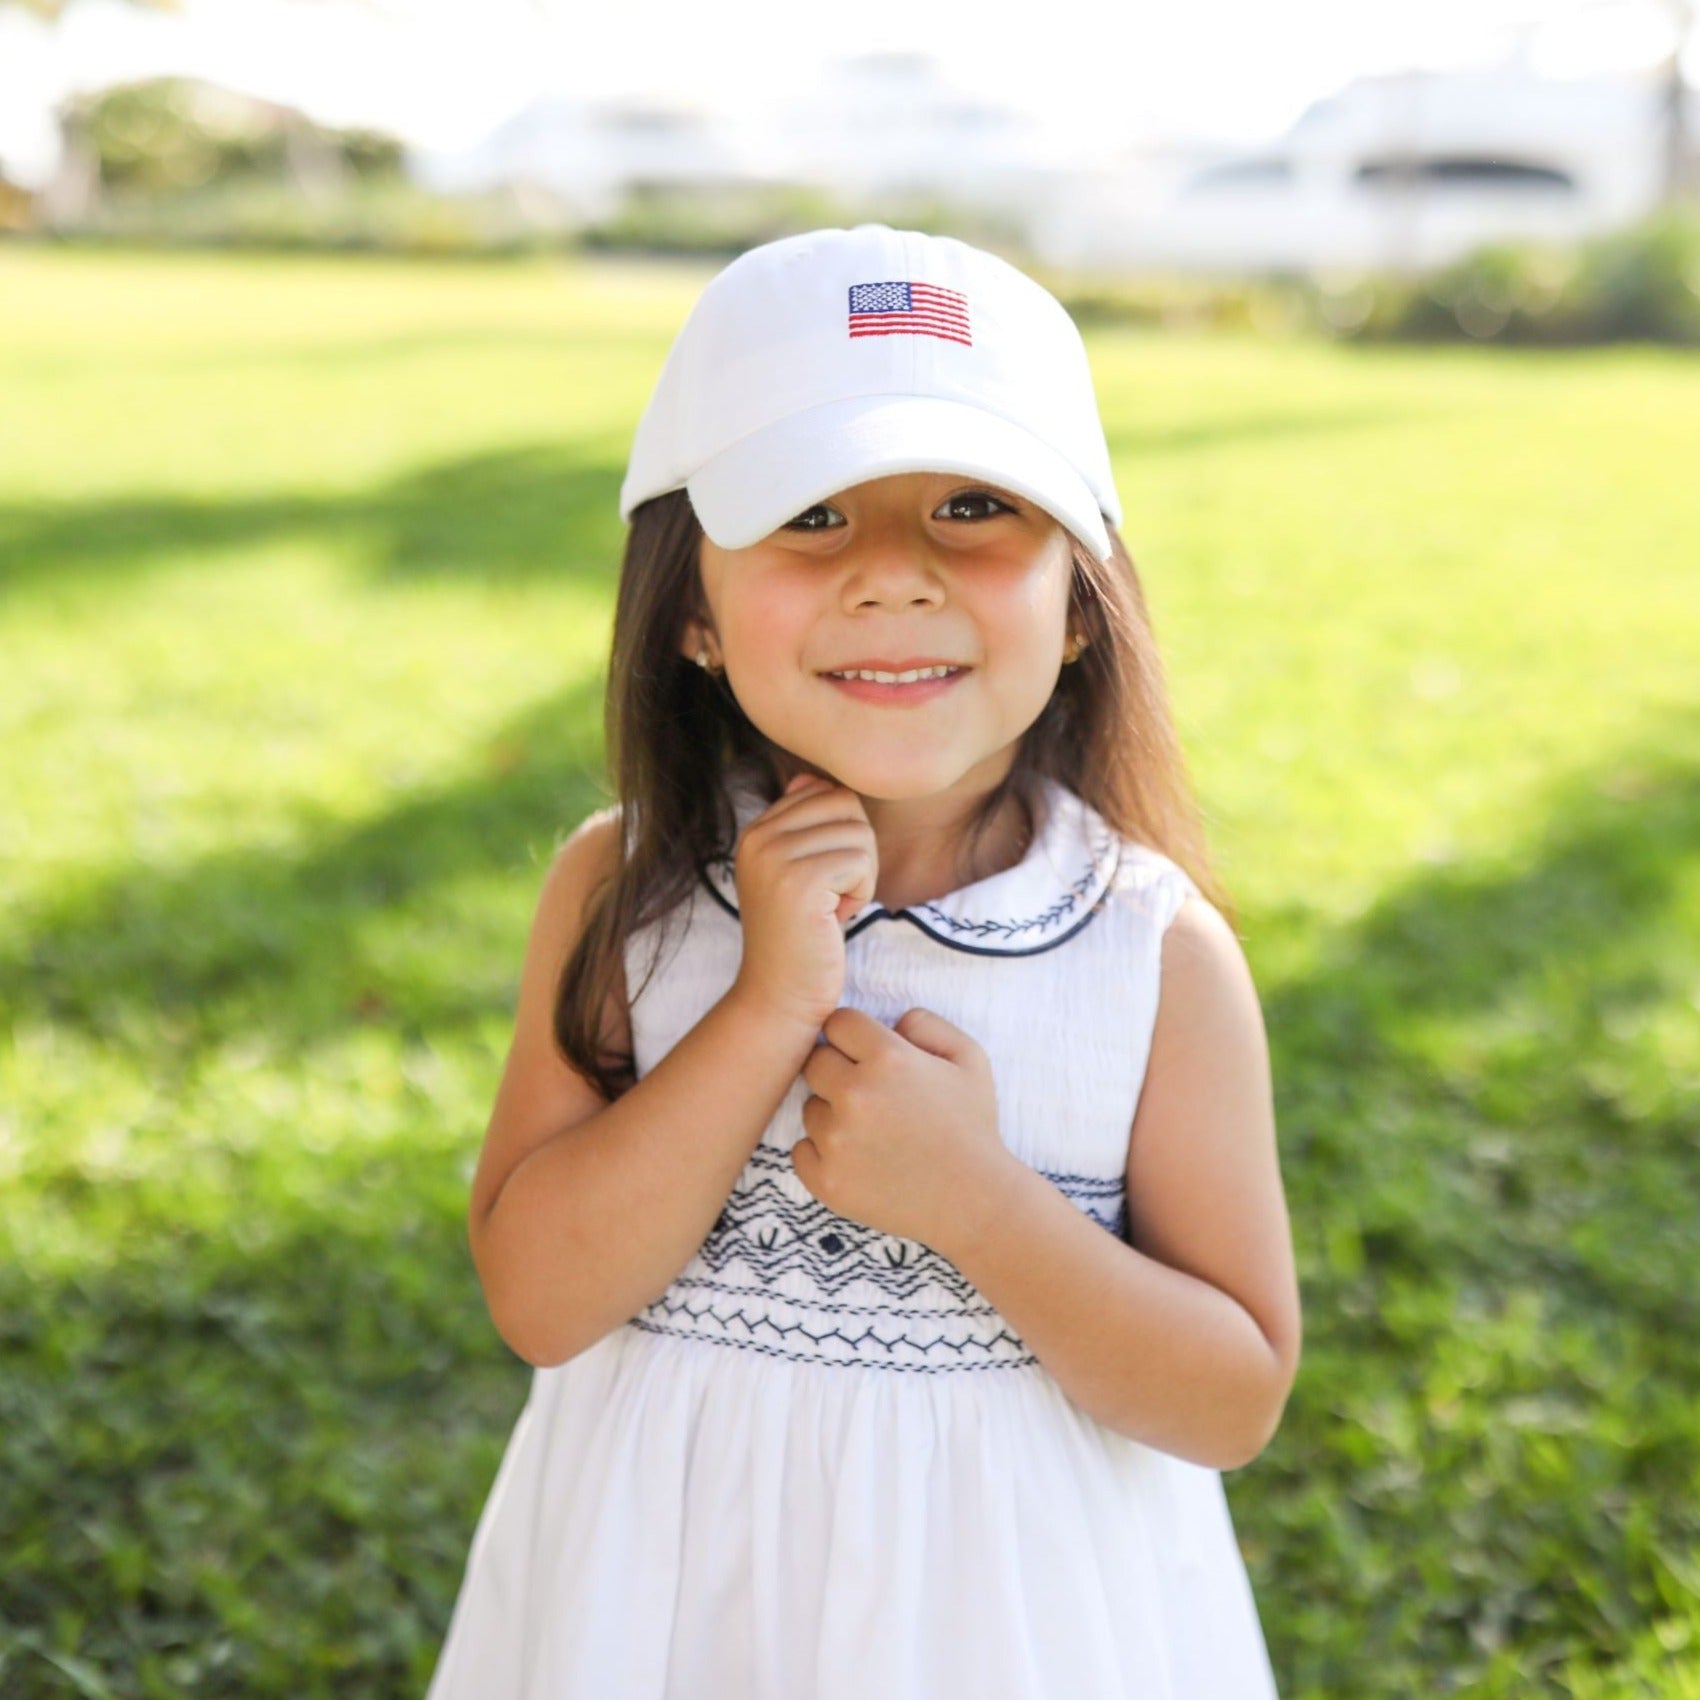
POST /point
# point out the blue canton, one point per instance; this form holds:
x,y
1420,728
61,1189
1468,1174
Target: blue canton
x,y
880,298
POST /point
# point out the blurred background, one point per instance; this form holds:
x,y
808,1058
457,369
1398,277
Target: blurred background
x,y
1327,142
324,329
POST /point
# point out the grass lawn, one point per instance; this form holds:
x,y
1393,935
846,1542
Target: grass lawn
x,y
306,569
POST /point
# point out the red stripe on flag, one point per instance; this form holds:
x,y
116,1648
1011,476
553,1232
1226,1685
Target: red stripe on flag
x,y
909,319
913,330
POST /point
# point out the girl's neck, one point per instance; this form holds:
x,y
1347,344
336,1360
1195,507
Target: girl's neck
x,y
924,849
914,870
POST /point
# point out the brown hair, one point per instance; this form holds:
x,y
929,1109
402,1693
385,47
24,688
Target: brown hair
x,y
673,732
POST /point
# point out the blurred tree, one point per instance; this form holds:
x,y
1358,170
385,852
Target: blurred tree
x,y
168,136
164,133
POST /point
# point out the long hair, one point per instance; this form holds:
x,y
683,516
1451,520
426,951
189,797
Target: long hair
x,y
674,733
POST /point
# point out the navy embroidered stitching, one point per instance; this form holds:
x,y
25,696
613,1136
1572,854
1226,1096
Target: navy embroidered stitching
x,y
1063,907
833,1363
768,1232
855,1342
989,928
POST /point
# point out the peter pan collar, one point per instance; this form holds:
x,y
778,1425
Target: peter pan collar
x,y
1043,900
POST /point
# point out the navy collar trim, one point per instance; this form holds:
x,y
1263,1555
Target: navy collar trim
x,y
1056,888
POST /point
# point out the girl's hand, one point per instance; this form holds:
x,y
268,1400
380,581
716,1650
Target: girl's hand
x,y
903,1126
803,867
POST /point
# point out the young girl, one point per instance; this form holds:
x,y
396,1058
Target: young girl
x,y
899,1275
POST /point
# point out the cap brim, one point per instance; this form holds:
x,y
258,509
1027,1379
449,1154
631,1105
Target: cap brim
x,y
772,475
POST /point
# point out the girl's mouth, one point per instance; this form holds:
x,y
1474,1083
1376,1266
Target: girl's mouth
x,y
895,691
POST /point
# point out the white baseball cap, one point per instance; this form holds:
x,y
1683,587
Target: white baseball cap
x,y
819,360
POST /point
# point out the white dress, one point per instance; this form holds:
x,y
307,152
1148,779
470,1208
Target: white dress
x,y
821,1466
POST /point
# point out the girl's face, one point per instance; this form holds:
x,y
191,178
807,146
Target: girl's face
x,y
909,569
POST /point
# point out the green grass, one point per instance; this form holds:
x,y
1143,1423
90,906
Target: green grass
x,y
307,572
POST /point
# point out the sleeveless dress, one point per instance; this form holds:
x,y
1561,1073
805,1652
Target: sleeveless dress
x,y
820,1466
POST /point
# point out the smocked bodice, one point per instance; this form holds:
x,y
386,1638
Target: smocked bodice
x,y
1050,964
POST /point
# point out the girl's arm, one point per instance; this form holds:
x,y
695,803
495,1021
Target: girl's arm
x,y
1187,1335
583,1211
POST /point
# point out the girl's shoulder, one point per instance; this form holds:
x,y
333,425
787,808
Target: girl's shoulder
x,y
595,847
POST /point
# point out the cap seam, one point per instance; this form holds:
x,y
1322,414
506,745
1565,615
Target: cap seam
x,y
912,264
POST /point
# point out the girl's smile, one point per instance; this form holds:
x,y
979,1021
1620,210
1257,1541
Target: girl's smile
x,y
896,685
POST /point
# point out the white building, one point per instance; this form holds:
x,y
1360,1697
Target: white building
x,y
1404,172
586,155
891,123
877,124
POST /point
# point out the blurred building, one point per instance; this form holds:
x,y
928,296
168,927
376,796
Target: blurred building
x,y
1405,172
893,124
1401,172
879,124
576,161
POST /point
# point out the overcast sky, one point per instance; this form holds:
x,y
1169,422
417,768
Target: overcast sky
x,y
442,72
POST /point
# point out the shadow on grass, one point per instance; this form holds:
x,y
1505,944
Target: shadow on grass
x,y
295,352
248,1460
251,1453
1488,1154
252,938
548,512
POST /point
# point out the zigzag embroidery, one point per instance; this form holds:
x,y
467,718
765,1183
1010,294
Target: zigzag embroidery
x,y
755,1318
648,1327
765,1234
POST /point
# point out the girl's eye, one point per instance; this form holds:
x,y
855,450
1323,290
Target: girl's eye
x,y
981,496
797,523
997,502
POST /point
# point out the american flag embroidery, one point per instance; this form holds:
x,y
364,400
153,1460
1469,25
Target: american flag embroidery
x,y
909,309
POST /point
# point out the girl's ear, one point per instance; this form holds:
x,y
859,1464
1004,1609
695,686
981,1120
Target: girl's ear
x,y
696,642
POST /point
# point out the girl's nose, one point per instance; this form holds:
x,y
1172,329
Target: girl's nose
x,y
895,568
